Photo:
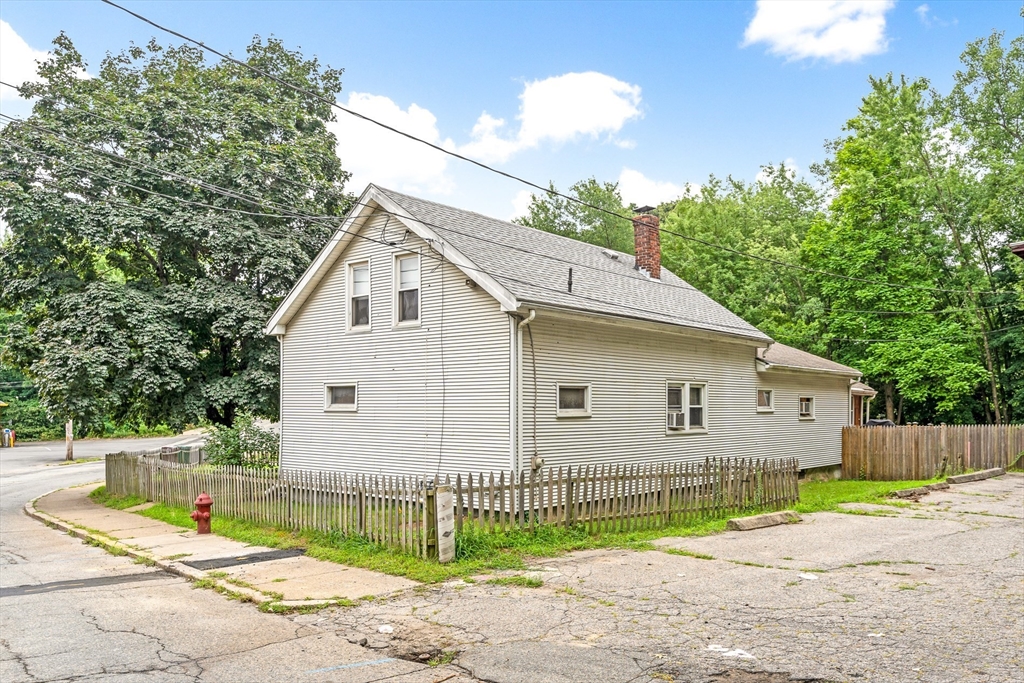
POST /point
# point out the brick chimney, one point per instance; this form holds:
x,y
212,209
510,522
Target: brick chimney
x,y
647,243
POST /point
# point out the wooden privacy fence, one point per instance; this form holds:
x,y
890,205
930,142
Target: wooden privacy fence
x,y
400,511
916,452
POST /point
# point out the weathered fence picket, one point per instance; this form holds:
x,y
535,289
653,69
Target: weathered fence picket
x,y
389,510
923,452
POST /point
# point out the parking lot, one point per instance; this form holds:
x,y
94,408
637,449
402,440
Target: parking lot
x,y
922,591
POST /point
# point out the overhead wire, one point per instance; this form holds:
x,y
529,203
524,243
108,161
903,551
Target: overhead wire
x,y
511,176
235,195
327,219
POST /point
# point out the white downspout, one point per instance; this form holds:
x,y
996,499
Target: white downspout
x,y
529,319
519,393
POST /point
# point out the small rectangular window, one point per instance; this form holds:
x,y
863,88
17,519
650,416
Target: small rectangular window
x,y
408,288
340,397
360,315
764,400
687,406
573,400
806,407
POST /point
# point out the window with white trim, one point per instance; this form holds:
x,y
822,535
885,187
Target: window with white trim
x,y
765,398
686,404
359,299
340,396
573,400
806,407
407,283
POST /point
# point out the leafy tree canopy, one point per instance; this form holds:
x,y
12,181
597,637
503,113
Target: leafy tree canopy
x,y
158,212
552,213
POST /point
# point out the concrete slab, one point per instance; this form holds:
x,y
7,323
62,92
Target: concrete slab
x,y
762,521
306,578
975,476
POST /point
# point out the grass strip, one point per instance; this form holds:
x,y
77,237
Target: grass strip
x,y
478,552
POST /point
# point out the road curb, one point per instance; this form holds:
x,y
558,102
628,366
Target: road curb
x,y
116,547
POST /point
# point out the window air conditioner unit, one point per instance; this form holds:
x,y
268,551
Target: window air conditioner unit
x,y
676,421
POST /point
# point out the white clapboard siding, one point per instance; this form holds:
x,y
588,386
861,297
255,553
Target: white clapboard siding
x,y
628,370
404,394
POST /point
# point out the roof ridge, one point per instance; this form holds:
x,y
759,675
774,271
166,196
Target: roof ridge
x,y
590,245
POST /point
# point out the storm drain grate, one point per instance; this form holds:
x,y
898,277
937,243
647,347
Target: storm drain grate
x,y
223,562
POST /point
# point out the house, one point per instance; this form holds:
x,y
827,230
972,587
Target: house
x,y
424,338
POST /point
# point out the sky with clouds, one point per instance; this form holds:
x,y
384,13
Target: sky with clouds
x,y
654,96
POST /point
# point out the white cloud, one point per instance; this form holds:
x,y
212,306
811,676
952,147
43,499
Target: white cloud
x,y
557,110
17,61
922,14
836,30
636,188
521,204
375,155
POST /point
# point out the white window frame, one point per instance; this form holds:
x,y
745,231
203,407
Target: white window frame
x,y
770,408
340,407
685,386
396,276
799,400
350,268
574,413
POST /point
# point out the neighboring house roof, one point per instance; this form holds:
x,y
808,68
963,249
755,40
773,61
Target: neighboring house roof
x,y
1017,248
524,267
784,356
861,389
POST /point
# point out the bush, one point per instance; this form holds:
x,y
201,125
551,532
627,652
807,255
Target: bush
x,y
29,421
244,443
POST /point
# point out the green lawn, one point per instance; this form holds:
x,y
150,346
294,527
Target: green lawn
x,y
478,552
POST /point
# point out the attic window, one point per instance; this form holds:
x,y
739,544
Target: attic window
x,y
408,289
359,283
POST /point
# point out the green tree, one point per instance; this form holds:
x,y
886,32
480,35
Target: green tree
x,y
884,227
142,288
552,213
767,218
985,116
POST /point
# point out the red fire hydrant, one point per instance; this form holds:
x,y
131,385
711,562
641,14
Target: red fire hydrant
x,y
201,515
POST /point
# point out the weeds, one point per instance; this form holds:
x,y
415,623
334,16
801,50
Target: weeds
x,y
688,553
518,580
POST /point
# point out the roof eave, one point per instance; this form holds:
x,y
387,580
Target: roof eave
x,y
769,365
636,321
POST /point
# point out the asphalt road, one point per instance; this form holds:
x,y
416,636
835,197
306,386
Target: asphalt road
x,y
73,612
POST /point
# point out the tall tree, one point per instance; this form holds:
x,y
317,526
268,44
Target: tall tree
x,y
985,116
143,287
552,213
767,218
884,227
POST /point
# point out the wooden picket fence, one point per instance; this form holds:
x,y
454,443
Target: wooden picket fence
x,y
923,452
399,511
622,497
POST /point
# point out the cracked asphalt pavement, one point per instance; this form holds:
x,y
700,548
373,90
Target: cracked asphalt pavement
x,y
925,591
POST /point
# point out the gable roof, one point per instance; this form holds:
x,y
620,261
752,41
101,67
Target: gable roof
x,y
788,357
523,267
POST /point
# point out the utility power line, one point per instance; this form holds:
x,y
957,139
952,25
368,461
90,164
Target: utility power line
x,y
260,203
514,177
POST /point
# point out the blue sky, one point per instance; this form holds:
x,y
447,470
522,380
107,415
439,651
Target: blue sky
x,y
653,95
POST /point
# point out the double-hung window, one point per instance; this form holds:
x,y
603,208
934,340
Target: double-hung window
x,y
408,288
359,300
806,407
687,406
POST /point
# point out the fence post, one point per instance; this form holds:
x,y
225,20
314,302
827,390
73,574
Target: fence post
x,y
444,530
430,518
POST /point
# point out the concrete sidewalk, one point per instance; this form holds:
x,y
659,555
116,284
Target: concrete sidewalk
x,y
288,581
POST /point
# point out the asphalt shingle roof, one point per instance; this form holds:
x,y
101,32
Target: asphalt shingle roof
x,y
534,266
787,356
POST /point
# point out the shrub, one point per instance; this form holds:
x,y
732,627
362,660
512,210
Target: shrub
x,y
244,443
